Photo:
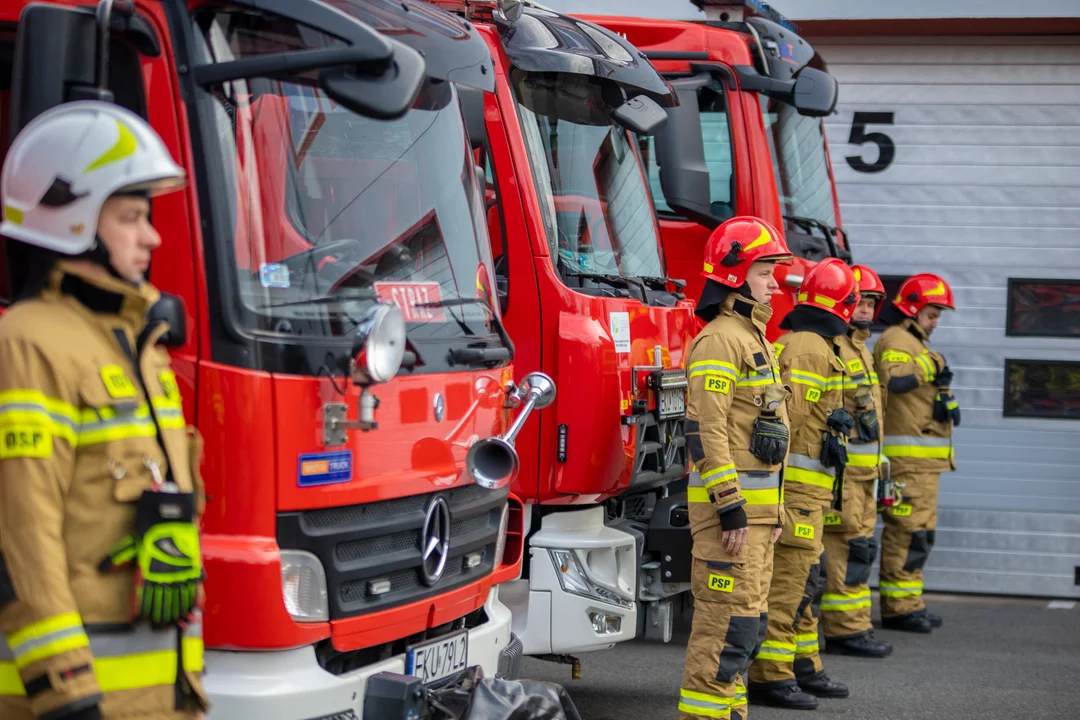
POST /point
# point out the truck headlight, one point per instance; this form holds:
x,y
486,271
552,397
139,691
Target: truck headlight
x,y
500,543
303,586
573,579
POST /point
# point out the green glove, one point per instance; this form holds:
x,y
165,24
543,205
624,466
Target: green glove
x,y
168,561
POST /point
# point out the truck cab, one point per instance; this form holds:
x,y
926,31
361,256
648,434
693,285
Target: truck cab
x,y
587,298
344,358
746,139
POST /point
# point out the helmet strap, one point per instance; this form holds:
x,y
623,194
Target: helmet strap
x,y
861,324
99,255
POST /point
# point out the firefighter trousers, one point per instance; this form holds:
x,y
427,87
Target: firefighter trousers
x,y
794,582
850,550
730,616
906,544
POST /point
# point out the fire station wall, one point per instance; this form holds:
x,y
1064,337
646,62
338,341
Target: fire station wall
x,y
969,166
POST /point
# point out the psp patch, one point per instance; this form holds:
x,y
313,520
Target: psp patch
x,y
721,583
324,468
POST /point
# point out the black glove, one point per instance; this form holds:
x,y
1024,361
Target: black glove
x,y
834,452
841,421
944,377
732,518
769,441
866,425
941,407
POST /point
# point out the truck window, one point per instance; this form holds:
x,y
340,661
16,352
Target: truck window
x,y
333,211
797,144
716,134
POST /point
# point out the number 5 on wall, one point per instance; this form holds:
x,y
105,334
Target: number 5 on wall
x,y
859,136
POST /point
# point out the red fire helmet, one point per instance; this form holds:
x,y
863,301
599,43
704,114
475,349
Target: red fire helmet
x,y
921,290
831,285
738,243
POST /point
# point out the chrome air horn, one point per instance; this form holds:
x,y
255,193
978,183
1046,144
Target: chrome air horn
x,y
493,463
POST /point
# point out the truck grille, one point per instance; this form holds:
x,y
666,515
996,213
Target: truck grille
x,y
660,455
381,541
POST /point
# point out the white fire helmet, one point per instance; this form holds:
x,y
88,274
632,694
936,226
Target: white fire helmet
x,y
64,165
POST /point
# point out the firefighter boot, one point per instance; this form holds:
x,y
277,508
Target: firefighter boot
x,y
820,685
934,618
911,622
861,645
783,696
729,606
906,544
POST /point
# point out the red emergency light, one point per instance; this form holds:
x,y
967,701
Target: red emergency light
x,y
483,10
738,10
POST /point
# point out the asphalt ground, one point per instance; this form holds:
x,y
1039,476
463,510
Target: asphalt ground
x,y
993,659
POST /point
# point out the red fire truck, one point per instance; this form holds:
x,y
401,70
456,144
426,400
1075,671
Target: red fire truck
x,y
345,358
585,292
746,138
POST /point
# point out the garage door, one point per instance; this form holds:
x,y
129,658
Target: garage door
x,y
963,156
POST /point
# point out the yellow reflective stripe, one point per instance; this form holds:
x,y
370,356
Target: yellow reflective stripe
x,y
740,696
844,602
713,367
809,477
901,588
127,672
819,299
762,497
874,378
35,409
35,398
699,703
916,451
862,459
718,475
778,348
697,495
808,378
927,367
46,638
806,644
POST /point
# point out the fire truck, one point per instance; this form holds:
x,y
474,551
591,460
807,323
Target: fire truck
x,y
746,138
587,298
336,332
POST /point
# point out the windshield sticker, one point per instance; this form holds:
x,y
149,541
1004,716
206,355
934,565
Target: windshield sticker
x,y
415,299
620,331
274,275
324,468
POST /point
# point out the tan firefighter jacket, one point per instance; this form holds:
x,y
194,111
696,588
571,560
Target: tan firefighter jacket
x,y
77,440
914,441
731,365
864,459
815,374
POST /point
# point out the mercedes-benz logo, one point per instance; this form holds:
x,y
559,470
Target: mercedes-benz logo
x,y
435,541
440,407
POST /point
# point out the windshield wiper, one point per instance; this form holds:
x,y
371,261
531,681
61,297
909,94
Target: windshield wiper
x,y
472,355
657,282
808,223
321,300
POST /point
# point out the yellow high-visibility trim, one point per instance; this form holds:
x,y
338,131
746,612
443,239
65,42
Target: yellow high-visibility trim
x,y
716,366
809,477
705,711
48,650
862,460
807,378
41,628
697,495
34,397
128,672
895,356
916,451
125,146
762,497
13,215
724,473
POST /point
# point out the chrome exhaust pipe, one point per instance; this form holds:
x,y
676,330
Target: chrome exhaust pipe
x,y
493,463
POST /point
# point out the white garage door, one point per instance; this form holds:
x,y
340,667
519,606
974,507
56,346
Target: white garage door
x,y
962,156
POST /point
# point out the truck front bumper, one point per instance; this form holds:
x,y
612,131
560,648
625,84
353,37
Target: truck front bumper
x,y
291,685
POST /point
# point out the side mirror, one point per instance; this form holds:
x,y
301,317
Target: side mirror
x,y
680,153
388,96
169,309
815,93
641,115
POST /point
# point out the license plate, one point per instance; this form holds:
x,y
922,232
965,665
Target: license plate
x,y
408,295
438,659
672,402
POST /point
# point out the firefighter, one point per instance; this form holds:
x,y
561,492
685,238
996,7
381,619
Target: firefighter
x,y
920,412
100,565
850,545
810,365
737,435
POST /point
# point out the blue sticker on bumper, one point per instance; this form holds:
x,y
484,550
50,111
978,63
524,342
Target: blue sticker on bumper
x,y
324,468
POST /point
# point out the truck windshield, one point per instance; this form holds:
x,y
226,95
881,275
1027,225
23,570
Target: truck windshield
x,y
593,194
335,211
797,144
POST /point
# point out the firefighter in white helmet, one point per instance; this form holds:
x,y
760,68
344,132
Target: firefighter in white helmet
x,y
100,495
